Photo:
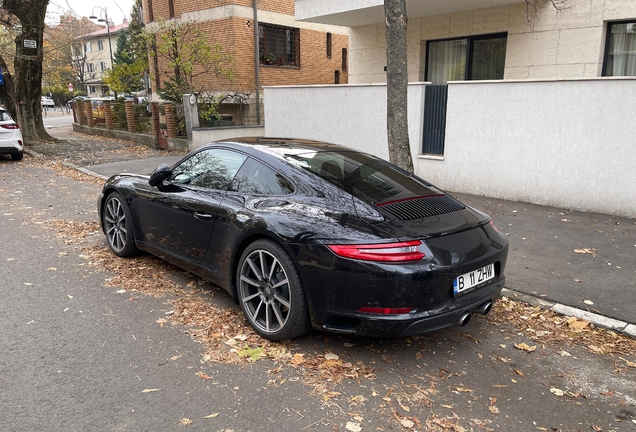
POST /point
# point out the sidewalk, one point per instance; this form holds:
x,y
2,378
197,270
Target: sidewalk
x,y
578,264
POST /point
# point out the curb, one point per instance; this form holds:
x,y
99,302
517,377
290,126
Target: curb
x,y
596,319
68,165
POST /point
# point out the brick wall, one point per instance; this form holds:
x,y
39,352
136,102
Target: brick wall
x,y
236,36
160,8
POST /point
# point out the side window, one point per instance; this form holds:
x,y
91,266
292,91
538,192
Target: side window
x,y
256,178
212,169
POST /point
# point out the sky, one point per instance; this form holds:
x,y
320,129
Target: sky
x,y
116,9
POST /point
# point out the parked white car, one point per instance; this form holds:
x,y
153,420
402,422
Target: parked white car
x,y
10,137
47,102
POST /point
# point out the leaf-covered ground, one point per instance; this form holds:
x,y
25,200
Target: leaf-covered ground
x,y
519,365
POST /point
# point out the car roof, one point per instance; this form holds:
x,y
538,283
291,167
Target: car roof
x,y
279,145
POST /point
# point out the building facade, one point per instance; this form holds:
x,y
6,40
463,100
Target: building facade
x,y
290,52
489,39
96,57
505,100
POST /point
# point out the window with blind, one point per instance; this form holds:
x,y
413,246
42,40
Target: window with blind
x,y
469,58
620,49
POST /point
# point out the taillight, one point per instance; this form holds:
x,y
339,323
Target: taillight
x,y
493,226
10,126
385,311
387,252
20,143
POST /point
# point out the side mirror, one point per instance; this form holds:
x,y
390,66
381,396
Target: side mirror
x,y
157,177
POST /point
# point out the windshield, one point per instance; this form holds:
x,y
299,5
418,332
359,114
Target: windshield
x,y
364,176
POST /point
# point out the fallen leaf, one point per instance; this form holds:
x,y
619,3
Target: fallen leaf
x,y
353,427
493,409
576,324
556,391
585,251
211,416
595,349
464,390
608,393
151,390
500,385
203,375
358,399
298,359
525,347
629,363
407,423
588,302
51,269
331,356
185,421
518,372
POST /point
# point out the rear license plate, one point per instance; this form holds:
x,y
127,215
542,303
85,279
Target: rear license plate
x,y
471,279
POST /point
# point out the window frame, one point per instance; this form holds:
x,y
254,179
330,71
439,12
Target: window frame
x,y
262,38
246,167
209,153
607,44
344,59
100,45
329,43
470,43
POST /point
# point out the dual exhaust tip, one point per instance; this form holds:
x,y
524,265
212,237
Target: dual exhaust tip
x,y
482,309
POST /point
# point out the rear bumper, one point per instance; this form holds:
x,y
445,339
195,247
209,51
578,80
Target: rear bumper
x,y
10,150
338,289
417,322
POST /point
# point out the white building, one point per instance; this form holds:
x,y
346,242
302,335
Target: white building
x,y
506,100
97,54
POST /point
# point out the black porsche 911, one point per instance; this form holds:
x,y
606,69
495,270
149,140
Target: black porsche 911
x,y
308,234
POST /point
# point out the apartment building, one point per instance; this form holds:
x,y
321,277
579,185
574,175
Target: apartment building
x,y
96,57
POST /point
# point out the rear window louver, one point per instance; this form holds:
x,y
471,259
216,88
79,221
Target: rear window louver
x,y
423,207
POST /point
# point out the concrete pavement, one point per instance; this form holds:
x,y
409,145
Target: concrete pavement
x,y
578,264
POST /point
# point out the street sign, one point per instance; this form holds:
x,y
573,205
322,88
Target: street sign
x,y
29,43
70,87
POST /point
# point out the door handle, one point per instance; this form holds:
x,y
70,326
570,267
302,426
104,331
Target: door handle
x,y
203,216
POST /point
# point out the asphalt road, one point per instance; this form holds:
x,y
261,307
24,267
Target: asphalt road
x,y
78,355
56,119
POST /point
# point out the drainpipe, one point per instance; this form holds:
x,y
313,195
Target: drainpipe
x,y
257,64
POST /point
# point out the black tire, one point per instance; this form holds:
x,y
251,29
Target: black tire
x,y
117,224
270,292
17,156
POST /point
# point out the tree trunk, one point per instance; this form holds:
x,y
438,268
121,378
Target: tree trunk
x,y
397,84
28,67
7,90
